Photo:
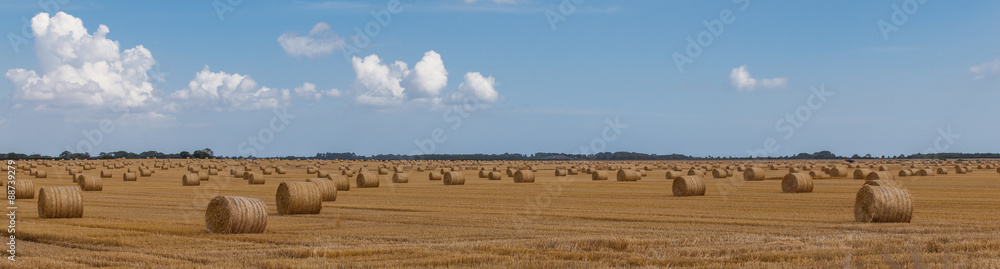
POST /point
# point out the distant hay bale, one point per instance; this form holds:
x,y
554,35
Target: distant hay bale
x,y
884,183
720,173
880,175
628,175
838,171
128,177
235,215
41,174
399,177
106,174
883,168
383,171
794,169
24,189
145,173
327,188
675,174
342,183
573,171
203,176
190,180
599,175
213,172
943,171
90,183
861,173
905,172
495,175
561,172
312,170
524,176
753,174
434,175
367,180
60,202
454,178
797,183
883,204
321,173
484,174
280,170
267,171
254,178
925,172
695,172
298,198
689,186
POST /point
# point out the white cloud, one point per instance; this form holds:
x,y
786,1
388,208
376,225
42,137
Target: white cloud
x,y
742,80
309,91
394,84
986,70
223,91
429,76
77,69
321,41
475,85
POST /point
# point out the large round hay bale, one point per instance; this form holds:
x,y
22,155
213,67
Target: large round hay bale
x,y
675,174
599,175
495,175
943,171
796,183
883,204
628,175
861,173
128,177
559,172
235,215
720,173
689,186
24,189
327,188
906,172
434,175
400,178
884,183
106,174
367,180
753,174
926,172
190,180
90,183
880,175
254,178
60,202
342,183
454,178
524,176
298,198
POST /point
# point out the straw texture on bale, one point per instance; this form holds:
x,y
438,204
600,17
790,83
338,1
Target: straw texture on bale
x,y
254,178
753,174
235,215
327,188
60,202
696,172
190,180
399,177
689,186
943,171
884,183
628,175
720,173
599,175
203,176
454,178
524,176
41,174
90,183
128,177
861,173
435,176
883,204
905,172
880,175
796,183
106,174
561,172
298,198
367,180
145,173
24,189
838,171
484,174
495,175
925,172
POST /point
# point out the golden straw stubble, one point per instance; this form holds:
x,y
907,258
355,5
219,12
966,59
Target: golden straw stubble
x,y
233,215
60,202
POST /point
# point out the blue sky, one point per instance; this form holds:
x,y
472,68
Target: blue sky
x,y
931,85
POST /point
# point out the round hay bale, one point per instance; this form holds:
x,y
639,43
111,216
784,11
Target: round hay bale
x,y
884,183
880,175
794,169
882,168
906,172
599,175
298,198
435,176
24,189
235,215
145,173
813,174
327,188
675,174
128,177
524,176
720,173
203,176
495,175
861,173
943,171
280,170
367,180
254,178
399,177
90,183
342,183
926,172
560,173
753,174
106,174
696,172
454,178
838,171
213,172
689,186
383,171
60,202
573,171
41,174
312,170
883,204
484,174
796,183
628,175
322,173
267,171
190,180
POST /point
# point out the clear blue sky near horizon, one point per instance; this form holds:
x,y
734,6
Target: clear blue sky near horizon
x,y
930,83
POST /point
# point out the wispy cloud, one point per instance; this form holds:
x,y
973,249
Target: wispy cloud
x,y
986,70
742,80
475,6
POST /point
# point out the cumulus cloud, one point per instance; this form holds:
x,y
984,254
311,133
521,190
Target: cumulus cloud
x,y
309,91
78,69
321,41
986,70
429,76
477,86
393,84
223,91
742,80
